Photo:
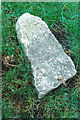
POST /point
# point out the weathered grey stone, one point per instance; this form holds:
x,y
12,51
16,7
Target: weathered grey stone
x,y
48,60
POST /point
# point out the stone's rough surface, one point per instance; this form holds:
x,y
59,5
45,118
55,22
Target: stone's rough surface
x,y
48,60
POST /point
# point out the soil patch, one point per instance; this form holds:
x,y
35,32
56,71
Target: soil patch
x,y
61,35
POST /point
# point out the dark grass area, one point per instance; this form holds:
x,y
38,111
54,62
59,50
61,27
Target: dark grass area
x,y
19,97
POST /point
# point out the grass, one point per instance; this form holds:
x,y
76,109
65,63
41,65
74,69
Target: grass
x,y
19,98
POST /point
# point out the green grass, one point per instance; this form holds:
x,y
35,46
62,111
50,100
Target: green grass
x,y
19,98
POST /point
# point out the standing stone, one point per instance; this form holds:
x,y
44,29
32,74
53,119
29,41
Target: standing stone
x,y
48,60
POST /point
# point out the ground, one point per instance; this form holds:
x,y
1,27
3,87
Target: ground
x,y
19,98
